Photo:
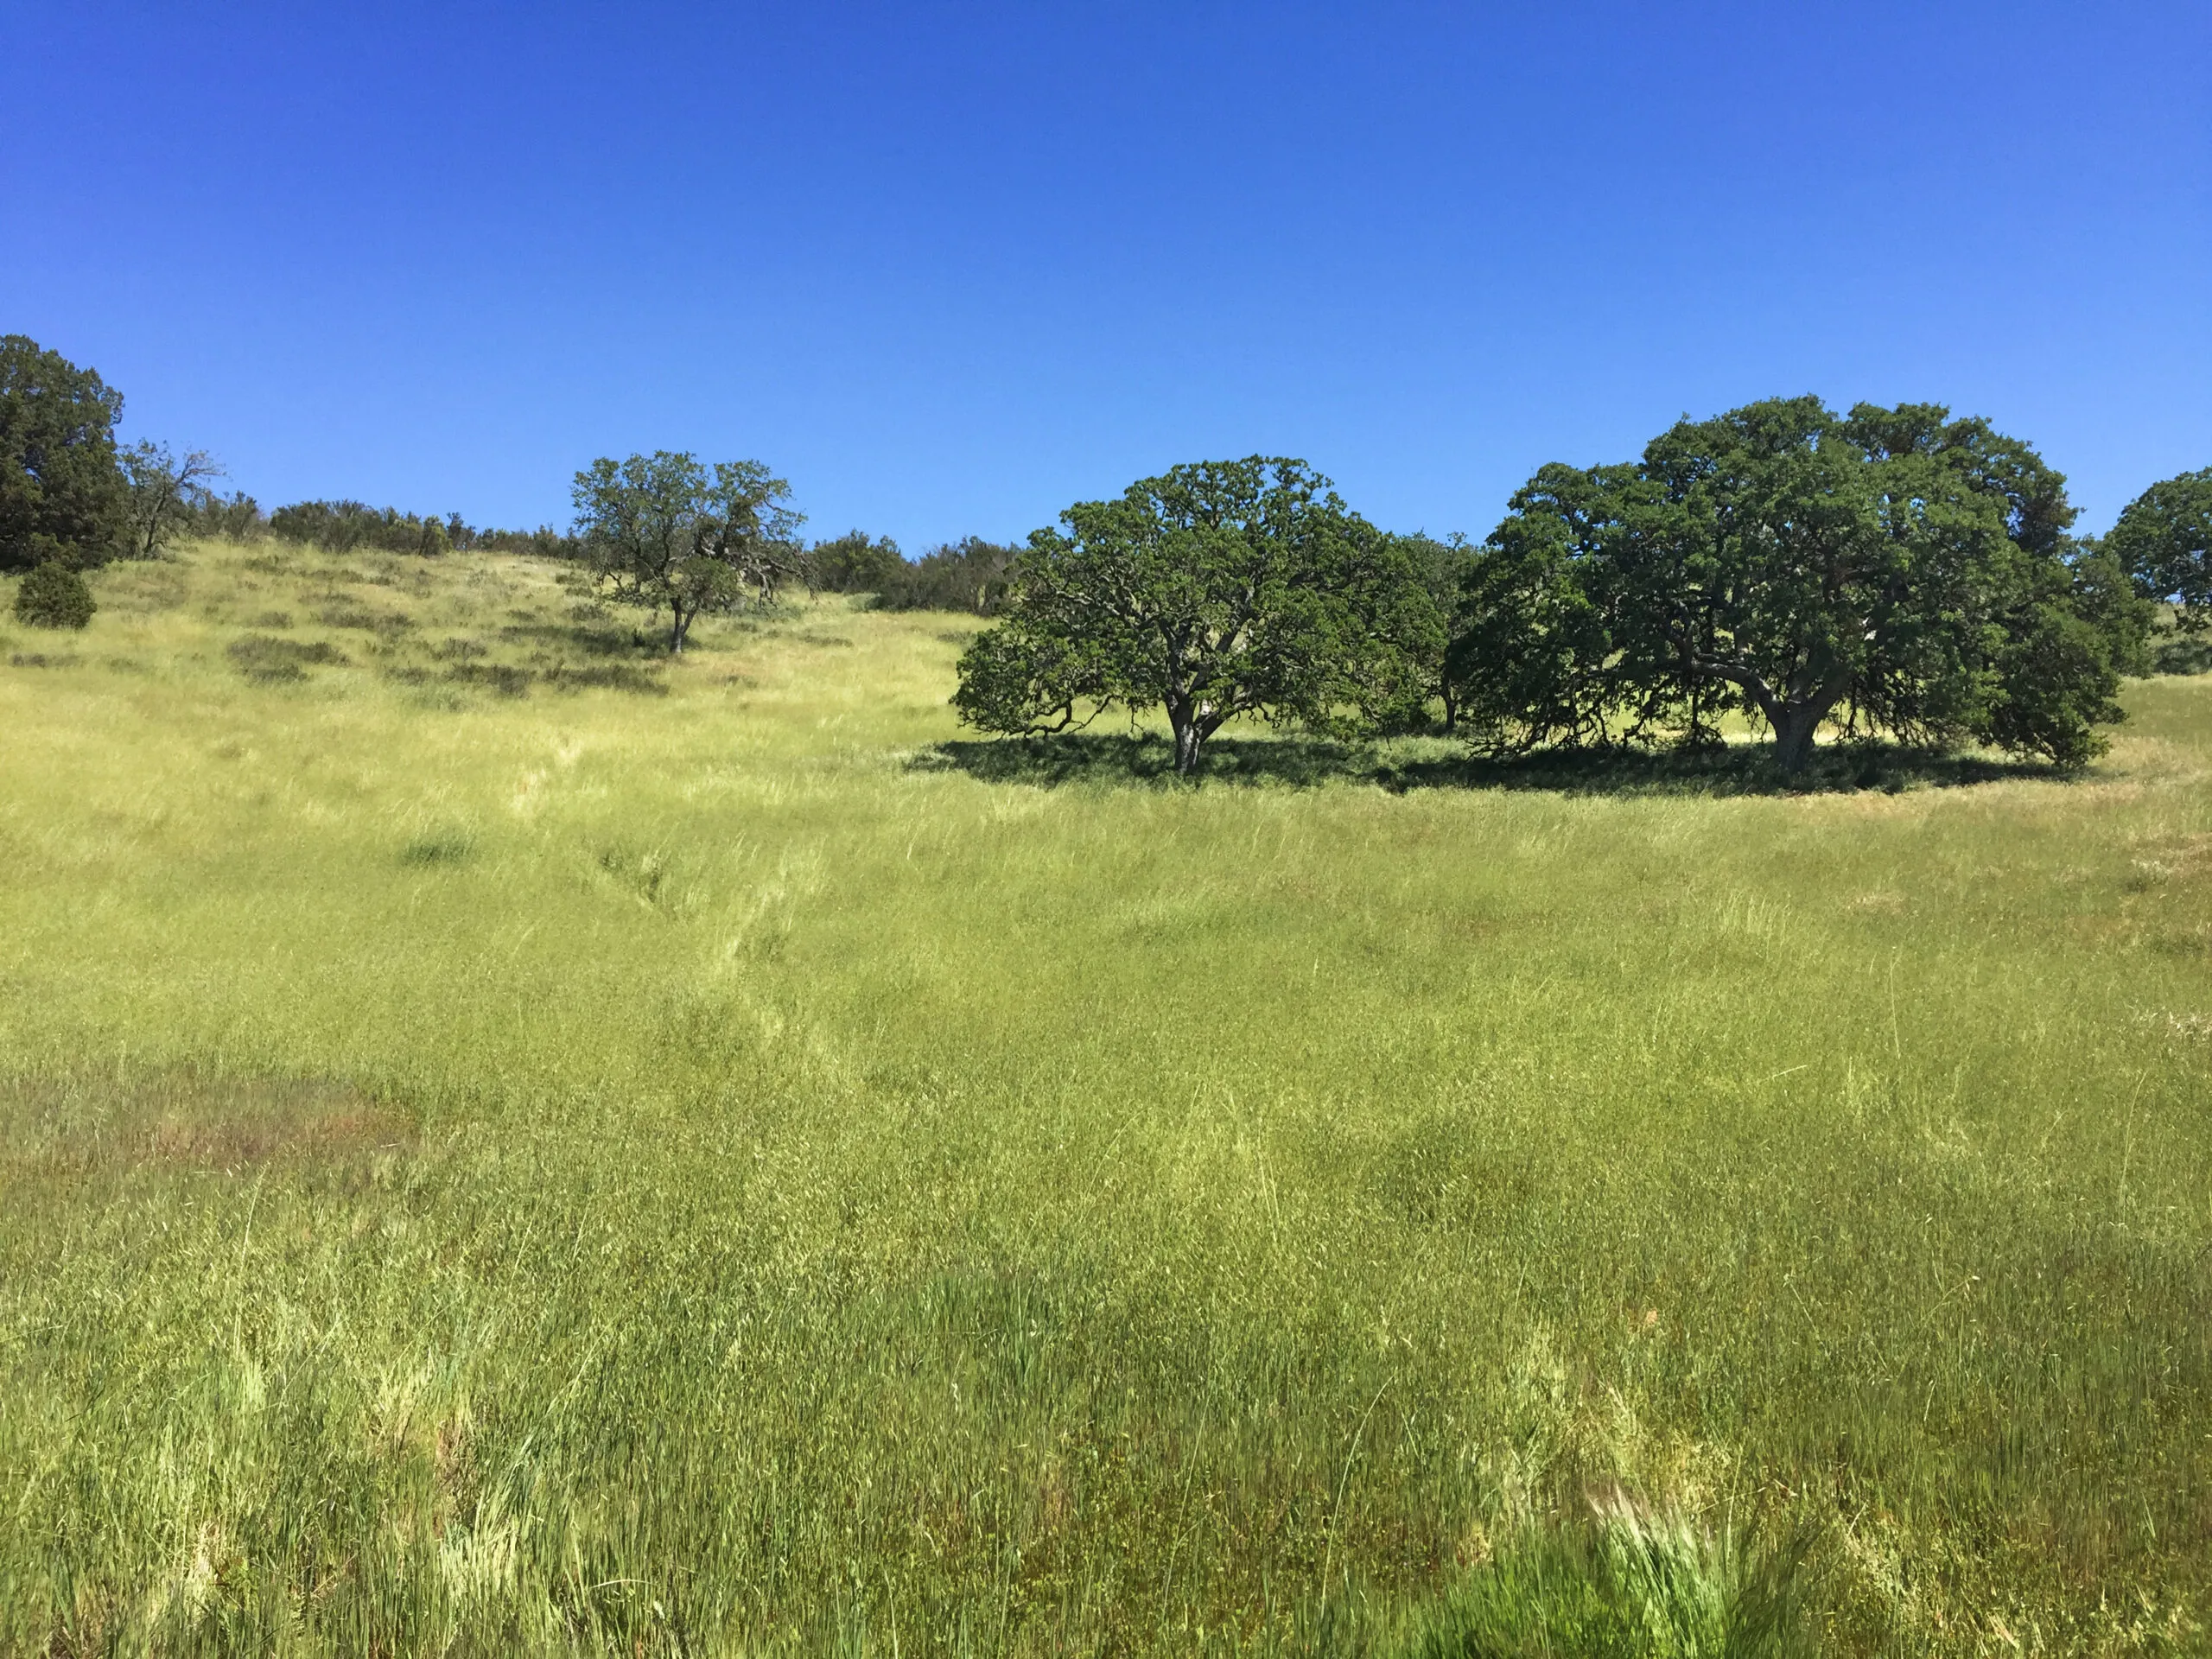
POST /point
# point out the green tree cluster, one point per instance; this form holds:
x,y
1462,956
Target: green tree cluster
x,y
341,526
1890,571
236,517
1896,572
968,575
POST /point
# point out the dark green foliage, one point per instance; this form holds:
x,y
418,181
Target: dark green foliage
x,y
62,497
54,596
341,526
1532,655
2072,632
2164,540
236,518
543,543
665,533
968,575
1892,571
2178,651
1441,568
1219,589
854,564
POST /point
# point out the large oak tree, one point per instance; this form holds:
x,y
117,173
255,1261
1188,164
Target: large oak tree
x,y
1893,571
1217,589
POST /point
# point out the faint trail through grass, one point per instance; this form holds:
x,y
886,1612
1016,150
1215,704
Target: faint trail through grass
x,y
741,1168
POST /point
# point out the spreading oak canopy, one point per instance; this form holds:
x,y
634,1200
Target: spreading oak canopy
x,y
1892,571
1217,589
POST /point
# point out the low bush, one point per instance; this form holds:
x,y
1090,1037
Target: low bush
x,y
54,596
543,543
265,658
505,678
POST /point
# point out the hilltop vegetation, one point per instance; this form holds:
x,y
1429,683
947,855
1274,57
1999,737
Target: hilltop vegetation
x,y
1891,573
515,1141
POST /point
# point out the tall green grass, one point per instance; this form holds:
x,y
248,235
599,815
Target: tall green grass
x,y
512,1145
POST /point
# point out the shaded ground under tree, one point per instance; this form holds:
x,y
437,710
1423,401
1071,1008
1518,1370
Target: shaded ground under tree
x,y
1297,761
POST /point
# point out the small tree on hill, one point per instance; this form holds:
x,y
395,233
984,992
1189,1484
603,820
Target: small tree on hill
x,y
2164,541
1893,571
54,596
166,493
666,533
1217,589
62,497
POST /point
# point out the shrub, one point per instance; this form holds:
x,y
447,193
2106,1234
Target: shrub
x,y
506,679
263,657
236,517
54,596
969,575
342,526
854,564
544,542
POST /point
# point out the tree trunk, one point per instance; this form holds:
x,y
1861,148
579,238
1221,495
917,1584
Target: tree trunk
x,y
677,628
1188,740
1794,725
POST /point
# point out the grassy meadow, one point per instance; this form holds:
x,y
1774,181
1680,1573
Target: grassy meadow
x,y
509,1144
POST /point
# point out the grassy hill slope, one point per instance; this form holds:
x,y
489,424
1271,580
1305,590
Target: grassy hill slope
x,y
506,1142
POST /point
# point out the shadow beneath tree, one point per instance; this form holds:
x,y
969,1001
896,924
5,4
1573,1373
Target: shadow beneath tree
x,y
1403,764
2181,653
589,636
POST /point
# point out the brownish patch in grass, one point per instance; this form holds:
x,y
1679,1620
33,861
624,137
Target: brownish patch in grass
x,y
187,1118
2160,859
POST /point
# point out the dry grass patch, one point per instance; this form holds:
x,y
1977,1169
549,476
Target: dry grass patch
x,y
192,1120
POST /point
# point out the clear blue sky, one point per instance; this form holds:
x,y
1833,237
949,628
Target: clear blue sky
x,y
950,267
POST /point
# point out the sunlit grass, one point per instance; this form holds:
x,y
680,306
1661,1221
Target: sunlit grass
x,y
511,1144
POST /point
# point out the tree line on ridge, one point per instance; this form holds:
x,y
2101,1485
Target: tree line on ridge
x,y
1897,572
